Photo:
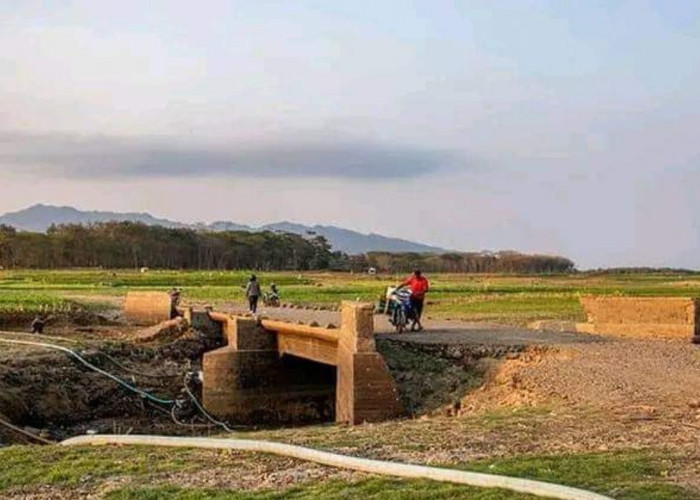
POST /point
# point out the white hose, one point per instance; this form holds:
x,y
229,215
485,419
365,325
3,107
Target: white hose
x,y
39,335
537,488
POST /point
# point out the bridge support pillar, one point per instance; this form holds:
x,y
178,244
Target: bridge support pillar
x,y
365,389
235,375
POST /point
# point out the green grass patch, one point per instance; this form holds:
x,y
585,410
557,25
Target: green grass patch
x,y
375,489
520,308
30,301
32,465
630,474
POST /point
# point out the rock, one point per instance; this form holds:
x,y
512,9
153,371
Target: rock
x,y
455,352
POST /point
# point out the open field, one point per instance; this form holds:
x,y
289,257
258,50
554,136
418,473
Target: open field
x,y
614,416
511,300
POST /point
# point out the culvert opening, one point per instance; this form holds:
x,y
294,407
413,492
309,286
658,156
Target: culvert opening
x,y
309,388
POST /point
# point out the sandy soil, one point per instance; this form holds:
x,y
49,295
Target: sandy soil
x,y
650,377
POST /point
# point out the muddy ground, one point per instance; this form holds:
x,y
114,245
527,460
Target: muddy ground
x,y
50,392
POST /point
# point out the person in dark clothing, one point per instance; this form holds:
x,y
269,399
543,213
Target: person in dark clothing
x,y
38,324
252,292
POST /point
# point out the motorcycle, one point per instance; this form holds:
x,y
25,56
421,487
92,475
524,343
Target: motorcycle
x,y
399,309
271,299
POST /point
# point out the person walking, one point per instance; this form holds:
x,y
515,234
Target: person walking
x,y
419,286
252,292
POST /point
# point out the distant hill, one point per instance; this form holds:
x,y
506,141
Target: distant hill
x,y
39,218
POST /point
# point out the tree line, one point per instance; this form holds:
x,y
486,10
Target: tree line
x,y
118,245
466,262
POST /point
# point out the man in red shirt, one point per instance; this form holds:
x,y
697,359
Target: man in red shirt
x,y
419,286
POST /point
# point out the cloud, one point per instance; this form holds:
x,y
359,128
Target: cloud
x,y
98,157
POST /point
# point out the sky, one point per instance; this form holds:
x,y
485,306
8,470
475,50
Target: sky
x,y
569,128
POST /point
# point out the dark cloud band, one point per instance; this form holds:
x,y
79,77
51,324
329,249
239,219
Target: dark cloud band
x,y
107,157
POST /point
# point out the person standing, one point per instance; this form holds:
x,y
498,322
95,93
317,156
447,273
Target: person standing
x,y
175,297
252,292
419,286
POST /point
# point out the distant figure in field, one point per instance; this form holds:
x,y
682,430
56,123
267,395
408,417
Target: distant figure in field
x,y
175,297
419,286
252,292
38,324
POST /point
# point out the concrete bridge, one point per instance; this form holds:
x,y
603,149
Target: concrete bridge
x,y
278,371
280,368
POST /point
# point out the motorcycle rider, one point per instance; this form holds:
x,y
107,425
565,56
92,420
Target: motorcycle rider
x,y
272,298
419,286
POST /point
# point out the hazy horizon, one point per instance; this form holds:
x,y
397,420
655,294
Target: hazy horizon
x,y
535,126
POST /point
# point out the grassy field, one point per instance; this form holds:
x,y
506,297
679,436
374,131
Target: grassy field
x,y
143,472
515,300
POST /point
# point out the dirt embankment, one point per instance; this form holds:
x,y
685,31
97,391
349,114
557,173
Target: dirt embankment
x,y
50,390
638,378
435,378
75,317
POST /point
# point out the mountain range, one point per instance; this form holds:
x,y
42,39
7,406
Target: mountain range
x,y
39,218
